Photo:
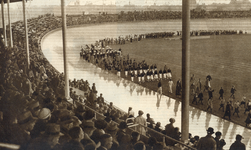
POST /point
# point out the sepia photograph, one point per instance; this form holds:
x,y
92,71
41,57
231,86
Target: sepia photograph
x,y
125,75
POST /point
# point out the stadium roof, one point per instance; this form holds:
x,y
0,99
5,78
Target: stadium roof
x,y
11,1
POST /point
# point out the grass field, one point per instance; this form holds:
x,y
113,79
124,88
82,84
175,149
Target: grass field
x,y
226,58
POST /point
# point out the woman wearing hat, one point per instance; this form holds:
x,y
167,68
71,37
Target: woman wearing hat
x,y
142,123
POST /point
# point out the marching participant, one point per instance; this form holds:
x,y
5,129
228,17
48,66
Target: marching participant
x,y
165,73
148,75
169,73
139,77
160,74
132,76
143,77
156,75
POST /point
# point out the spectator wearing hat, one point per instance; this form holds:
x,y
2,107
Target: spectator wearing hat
x,y
76,134
169,128
88,129
157,127
100,125
149,120
90,146
238,145
208,141
66,123
142,123
122,137
106,142
101,99
151,142
43,118
139,146
135,137
20,133
130,112
34,107
219,142
79,112
117,117
48,140
112,129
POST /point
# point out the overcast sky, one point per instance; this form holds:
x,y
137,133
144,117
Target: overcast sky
x,y
122,2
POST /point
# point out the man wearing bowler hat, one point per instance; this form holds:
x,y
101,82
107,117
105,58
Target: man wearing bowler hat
x,y
207,142
238,145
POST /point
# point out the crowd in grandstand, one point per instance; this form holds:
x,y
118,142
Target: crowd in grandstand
x,y
35,115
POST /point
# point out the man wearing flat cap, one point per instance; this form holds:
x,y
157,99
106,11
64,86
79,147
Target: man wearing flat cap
x,y
207,142
20,133
48,140
238,145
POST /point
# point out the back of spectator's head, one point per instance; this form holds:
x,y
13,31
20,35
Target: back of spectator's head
x,y
218,133
100,124
152,141
76,121
196,137
76,133
147,115
158,124
135,135
73,145
111,127
90,146
123,125
88,125
171,120
80,109
59,100
96,135
130,108
239,137
139,146
210,130
140,112
108,119
89,115
106,140
52,107
33,106
158,146
26,119
52,129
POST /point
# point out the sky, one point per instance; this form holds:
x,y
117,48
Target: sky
x,y
122,2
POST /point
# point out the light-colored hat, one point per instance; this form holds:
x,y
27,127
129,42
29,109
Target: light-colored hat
x,y
44,113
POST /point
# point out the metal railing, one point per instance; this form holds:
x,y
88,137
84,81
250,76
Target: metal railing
x,y
151,132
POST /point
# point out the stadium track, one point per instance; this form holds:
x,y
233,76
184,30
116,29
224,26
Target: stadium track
x,y
80,39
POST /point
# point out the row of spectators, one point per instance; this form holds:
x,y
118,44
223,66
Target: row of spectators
x,y
195,14
45,23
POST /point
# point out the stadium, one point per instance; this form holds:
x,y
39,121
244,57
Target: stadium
x,y
113,76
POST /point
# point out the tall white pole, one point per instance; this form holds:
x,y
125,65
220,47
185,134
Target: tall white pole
x,y
67,92
4,27
26,36
11,39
